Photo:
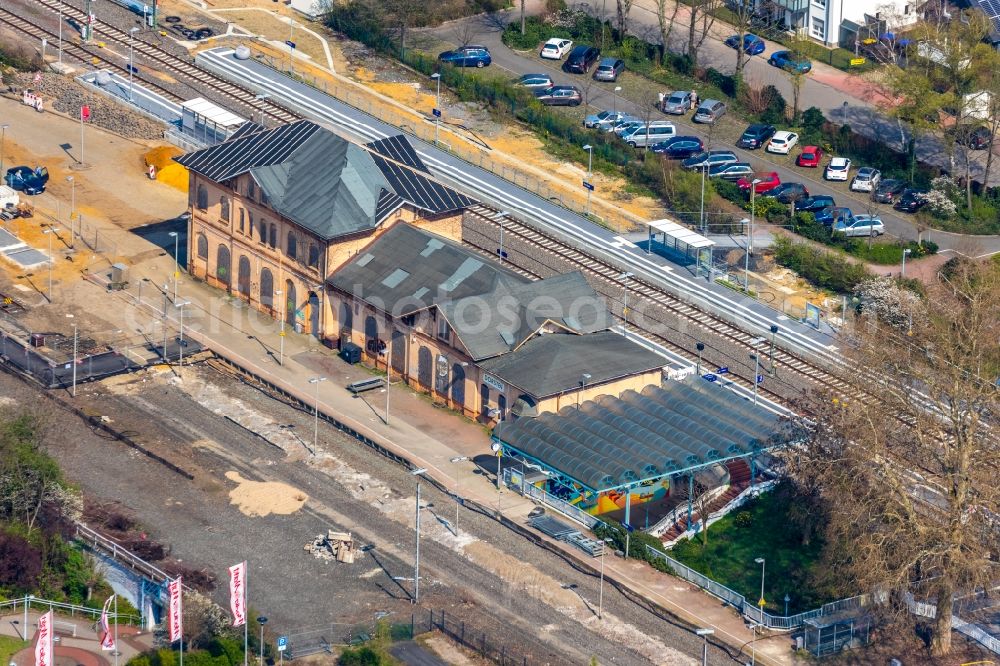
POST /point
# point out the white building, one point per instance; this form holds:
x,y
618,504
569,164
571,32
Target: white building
x,y
843,22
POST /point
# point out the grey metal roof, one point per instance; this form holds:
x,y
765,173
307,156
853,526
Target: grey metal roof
x,y
555,363
323,182
612,442
491,309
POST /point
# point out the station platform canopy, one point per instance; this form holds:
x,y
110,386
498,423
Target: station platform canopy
x,y
676,235
614,443
208,121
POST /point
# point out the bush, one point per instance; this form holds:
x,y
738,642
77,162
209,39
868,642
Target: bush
x,y
826,270
775,111
743,519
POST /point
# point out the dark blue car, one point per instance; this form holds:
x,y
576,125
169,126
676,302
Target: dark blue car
x,y
467,56
27,180
833,214
786,60
679,147
752,44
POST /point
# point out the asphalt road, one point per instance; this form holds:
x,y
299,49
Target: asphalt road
x,y
601,96
527,608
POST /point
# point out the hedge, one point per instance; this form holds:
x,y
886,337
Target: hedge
x,y
827,270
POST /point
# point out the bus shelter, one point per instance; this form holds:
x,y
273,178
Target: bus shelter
x,y
681,240
208,122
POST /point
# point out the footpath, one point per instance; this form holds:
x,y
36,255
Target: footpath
x,y
77,641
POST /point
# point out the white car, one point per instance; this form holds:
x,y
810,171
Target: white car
x,y
866,180
556,48
838,168
782,142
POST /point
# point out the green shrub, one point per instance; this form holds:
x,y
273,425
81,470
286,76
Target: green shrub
x,y
362,656
743,519
827,270
775,111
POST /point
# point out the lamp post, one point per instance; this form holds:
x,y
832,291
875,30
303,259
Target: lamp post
x,y
617,90
260,98
177,270
746,265
60,35
317,381
906,253
700,346
787,599
437,107
600,595
281,332
3,139
762,563
49,232
590,173
131,34
774,332
416,548
756,373
261,620
76,339
27,603
291,44
704,633
503,216
583,387
180,306
72,207
625,277
701,211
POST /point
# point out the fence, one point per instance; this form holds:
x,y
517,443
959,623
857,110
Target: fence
x,y
25,604
514,478
478,641
119,553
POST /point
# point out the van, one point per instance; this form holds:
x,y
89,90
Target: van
x,y
647,135
709,111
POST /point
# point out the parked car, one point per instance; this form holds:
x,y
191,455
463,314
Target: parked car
x,y
752,44
626,126
911,200
862,225
581,59
832,214
27,180
974,138
782,142
838,169
889,191
560,96
604,119
646,134
677,103
609,69
815,203
709,111
787,193
788,61
534,81
866,180
811,156
761,183
679,147
467,56
732,171
756,136
556,48
710,159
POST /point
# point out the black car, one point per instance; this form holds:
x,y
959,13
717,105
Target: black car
x,y
581,59
756,136
733,171
27,180
710,159
815,204
888,191
786,193
679,147
974,138
911,200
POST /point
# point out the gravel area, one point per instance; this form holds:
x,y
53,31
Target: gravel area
x,y
487,576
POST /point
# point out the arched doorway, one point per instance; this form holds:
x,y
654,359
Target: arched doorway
x,y
243,277
222,265
425,368
371,337
345,320
502,406
484,402
314,314
291,302
458,386
398,351
267,288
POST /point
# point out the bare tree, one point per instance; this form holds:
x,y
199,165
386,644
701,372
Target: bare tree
x,y
622,8
908,469
665,22
743,11
700,22
797,47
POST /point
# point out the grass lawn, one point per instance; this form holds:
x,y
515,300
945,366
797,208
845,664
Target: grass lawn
x,y
8,646
732,548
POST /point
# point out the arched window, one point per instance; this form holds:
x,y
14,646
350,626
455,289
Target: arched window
x,y
291,249
274,237
313,255
262,231
222,266
202,201
243,228
251,187
267,288
202,243
224,210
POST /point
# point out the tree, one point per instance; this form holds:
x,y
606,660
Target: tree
x,y
666,23
29,478
622,9
700,22
743,11
797,48
908,469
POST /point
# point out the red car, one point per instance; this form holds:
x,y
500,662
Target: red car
x,y
765,183
810,156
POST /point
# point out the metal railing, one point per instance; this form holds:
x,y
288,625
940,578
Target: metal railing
x,y
733,504
66,609
119,553
574,513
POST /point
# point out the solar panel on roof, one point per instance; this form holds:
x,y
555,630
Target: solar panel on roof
x,y
395,278
365,259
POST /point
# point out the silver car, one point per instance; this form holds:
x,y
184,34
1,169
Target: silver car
x,y
677,103
862,225
866,180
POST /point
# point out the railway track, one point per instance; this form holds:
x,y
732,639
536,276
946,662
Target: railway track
x,y
194,76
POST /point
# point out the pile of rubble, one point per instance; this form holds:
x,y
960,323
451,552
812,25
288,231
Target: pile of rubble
x,y
338,546
67,96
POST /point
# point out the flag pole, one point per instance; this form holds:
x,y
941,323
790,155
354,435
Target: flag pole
x,y
117,651
246,610
181,646
81,136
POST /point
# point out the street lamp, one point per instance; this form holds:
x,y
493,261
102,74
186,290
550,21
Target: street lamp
x,y
746,265
72,206
416,549
281,332
787,599
704,633
700,346
906,253
590,174
131,34
317,381
625,277
756,372
261,620
503,216
774,332
600,596
437,106
180,306
177,270
3,138
76,339
617,90
260,98
762,563
701,211
583,387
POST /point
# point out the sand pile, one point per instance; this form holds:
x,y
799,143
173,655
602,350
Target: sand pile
x,y
167,170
